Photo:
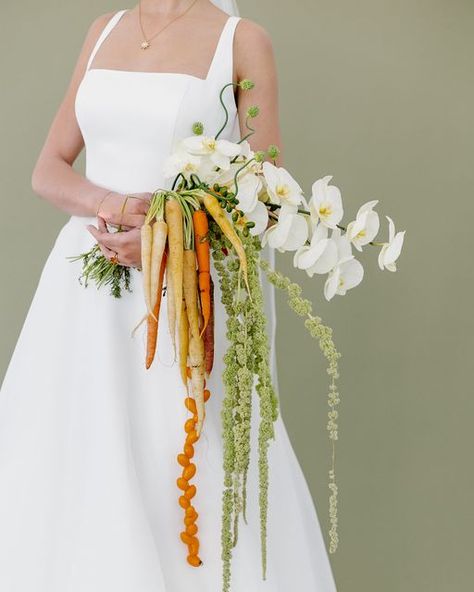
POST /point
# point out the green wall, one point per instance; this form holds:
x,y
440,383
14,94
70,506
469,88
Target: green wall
x,y
380,95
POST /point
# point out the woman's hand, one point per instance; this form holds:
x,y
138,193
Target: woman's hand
x,y
134,210
126,245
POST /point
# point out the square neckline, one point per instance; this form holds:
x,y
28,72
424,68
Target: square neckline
x,y
192,76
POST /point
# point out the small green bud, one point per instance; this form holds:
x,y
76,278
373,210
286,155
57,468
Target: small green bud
x,y
230,195
260,156
273,152
224,191
198,128
253,111
235,216
246,84
250,224
246,231
229,207
216,187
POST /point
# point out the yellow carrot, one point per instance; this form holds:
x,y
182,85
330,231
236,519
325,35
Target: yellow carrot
x,y
196,358
170,306
213,207
184,343
174,219
146,235
190,287
160,233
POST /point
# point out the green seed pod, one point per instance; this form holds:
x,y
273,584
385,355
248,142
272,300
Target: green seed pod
x,y
246,84
198,128
273,152
253,111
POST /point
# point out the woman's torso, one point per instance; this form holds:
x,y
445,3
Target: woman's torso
x,y
131,120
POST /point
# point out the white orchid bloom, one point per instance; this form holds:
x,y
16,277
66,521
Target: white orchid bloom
x,y
249,186
247,154
289,233
281,187
220,152
390,251
320,256
365,227
249,189
344,247
259,216
326,203
347,273
181,162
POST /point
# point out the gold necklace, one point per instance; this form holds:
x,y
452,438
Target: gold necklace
x,y
146,43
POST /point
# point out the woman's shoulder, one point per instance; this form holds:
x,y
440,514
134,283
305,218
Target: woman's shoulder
x,y
252,34
99,22
253,48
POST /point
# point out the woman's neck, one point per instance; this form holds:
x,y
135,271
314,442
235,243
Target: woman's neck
x,y
164,6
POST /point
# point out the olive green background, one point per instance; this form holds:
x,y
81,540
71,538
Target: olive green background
x,y
378,93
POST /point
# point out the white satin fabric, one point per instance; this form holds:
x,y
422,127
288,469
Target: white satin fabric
x,y
89,438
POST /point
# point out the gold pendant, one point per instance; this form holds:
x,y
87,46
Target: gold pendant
x,y
145,45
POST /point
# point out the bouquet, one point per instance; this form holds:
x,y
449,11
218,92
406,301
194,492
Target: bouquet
x,y
227,202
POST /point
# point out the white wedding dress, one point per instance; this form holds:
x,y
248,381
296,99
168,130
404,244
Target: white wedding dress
x,y
89,438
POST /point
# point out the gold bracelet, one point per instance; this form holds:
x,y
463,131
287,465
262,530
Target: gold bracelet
x,y
102,201
123,209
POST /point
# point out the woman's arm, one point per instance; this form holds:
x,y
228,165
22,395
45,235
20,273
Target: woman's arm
x,y
54,177
255,60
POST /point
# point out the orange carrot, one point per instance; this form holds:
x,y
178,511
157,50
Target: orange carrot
x,y
152,320
201,242
209,333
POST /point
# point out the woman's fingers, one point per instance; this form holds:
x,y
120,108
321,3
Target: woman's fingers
x,y
127,210
98,234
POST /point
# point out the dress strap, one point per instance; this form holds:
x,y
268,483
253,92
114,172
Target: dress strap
x,y
105,32
222,66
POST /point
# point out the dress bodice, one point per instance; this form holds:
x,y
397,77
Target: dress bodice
x,y
131,120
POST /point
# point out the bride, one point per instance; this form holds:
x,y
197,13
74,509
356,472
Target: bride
x,y
88,436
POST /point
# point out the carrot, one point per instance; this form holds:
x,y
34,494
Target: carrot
x,y
170,306
209,334
184,343
213,207
174,219
196,357
160,233
196,344
152,321
201,242
188,536
146,234
190,288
